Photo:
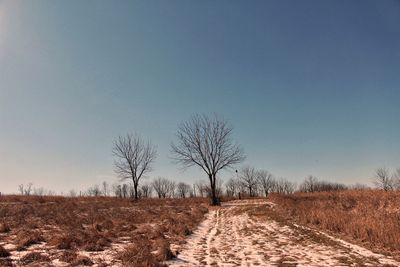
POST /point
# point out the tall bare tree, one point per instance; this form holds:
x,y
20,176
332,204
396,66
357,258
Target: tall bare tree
x,y
134,158
206,142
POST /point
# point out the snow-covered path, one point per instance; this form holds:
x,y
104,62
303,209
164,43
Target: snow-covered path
x,y
245,233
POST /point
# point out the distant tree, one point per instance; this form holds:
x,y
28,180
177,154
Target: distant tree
x,y
266,181
105,188
171,189
39,191
248,177
309,184
396,179
125,190
72,193
146,190
358,186
383,180
117,189
183,189
134,158
200,188
94,191
25,189
232,187
206,142
284,186
161,186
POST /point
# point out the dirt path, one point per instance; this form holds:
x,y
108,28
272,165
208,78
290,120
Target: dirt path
x,y
246,233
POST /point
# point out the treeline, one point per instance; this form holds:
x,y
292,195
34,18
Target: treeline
x,y
248,182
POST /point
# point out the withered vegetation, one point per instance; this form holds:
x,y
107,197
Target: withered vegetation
x,y
370,218
70,229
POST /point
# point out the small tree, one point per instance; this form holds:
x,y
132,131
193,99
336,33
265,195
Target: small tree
x,y
231,187
396,179
200,188
383,179
310,184
183,189
161,186
266,181
248,177
146,190
134,158
105,188
206,142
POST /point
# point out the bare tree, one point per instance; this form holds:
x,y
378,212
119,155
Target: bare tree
x,y
106,188
21,189
183,189
283,186
383,179
248,177
161,186
25,189
309,184
396,179
201,188
125,190
206,142
117,189
134,158
231,187
72,193
39,191
94,191
266,181
146,190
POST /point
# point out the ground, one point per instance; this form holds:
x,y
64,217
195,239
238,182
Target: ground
x,y
250,233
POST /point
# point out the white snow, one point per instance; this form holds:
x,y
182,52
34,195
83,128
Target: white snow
x,y
229,236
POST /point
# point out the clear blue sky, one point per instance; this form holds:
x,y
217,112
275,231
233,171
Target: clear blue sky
x,y
311,87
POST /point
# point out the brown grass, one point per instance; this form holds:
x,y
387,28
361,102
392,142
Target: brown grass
x,y
34,257
3,252
65,226
370,218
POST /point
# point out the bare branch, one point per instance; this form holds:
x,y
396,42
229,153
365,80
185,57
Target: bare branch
x,y
134,157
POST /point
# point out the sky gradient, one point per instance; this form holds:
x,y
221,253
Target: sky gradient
x,y
311,87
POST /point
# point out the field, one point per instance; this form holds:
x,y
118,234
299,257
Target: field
x,y
349,228
58,231
370,218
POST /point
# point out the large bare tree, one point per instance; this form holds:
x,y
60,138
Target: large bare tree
x,y
134,158
206,142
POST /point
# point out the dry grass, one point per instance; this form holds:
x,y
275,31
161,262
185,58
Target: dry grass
x,y
67,227
370,218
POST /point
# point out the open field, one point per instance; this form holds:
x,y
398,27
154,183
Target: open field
x,y
350,228
58,231
370,218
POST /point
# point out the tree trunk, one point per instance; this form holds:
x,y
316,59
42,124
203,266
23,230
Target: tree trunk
x,y
135,187
214,198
